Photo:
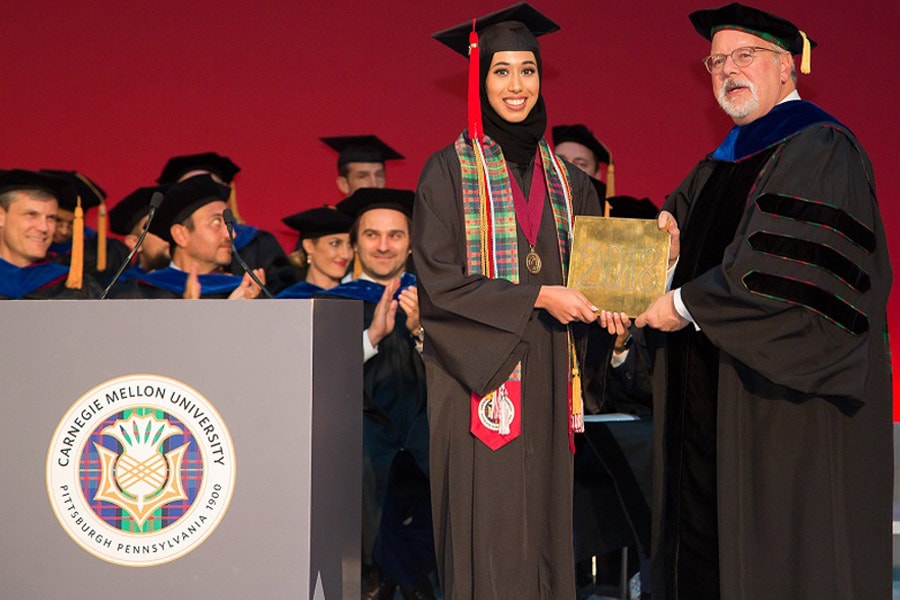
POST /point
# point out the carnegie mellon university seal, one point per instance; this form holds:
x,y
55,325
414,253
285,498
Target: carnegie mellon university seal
x,y
140,470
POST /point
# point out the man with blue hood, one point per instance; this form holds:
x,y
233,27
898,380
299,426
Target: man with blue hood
x,y
773,386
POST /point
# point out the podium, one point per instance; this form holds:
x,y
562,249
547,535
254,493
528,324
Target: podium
x,y
278,402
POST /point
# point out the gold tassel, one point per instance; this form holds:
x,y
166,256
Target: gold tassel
x,y
610,179
101,222
805,57
232,204
76,265
357,266
577,402
101,237
610,184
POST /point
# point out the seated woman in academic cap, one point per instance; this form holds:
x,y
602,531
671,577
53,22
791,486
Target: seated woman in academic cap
x,y
491,243
323,252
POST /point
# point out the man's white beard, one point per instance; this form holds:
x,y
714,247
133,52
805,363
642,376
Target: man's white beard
x,y
738,109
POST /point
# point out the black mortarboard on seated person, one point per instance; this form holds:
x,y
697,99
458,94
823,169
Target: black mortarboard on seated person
x,y
316,222
365,199
129,211
90,193
630,207
221,166
360,148
580,134
183,199
757,22
60,188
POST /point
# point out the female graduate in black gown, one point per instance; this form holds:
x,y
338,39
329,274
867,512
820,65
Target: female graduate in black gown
x,y
491,261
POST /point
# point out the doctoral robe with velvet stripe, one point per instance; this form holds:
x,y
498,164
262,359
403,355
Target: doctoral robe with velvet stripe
x,y
773,450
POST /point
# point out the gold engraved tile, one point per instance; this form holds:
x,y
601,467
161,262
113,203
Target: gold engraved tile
x,y
619,264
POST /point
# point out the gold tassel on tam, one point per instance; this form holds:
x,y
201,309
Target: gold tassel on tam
x,y
610,178
805,58
101,220
232,204
357,266
610,184
101,237
76,266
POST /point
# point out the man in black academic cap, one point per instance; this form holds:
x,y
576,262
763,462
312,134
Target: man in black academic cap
x,y
397,538
361,161
100,266
773,388
258,248
129,217
578,145
28,211
191,220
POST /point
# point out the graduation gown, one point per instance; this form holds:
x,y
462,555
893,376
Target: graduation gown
x,y
42,281
116,253
395,420
774,461
300,290
502,519
260,249
169,283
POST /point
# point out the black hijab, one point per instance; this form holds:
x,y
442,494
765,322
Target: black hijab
x,y
518,140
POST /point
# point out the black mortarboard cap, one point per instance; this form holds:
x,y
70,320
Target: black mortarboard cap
x,y
581,135
360,148
91,194
365,199
630,207
457,38
61,188
177,166
752,20
316,222
183,199
129,211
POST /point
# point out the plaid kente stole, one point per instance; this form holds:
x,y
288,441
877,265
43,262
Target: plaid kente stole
x,y
492,250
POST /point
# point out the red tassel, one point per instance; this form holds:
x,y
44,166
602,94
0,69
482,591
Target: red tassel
x,y
474,94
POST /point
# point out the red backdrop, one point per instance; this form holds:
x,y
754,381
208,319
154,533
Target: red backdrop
x,y
115,88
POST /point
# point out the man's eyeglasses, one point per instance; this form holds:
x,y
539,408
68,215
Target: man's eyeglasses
x,y
741,57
